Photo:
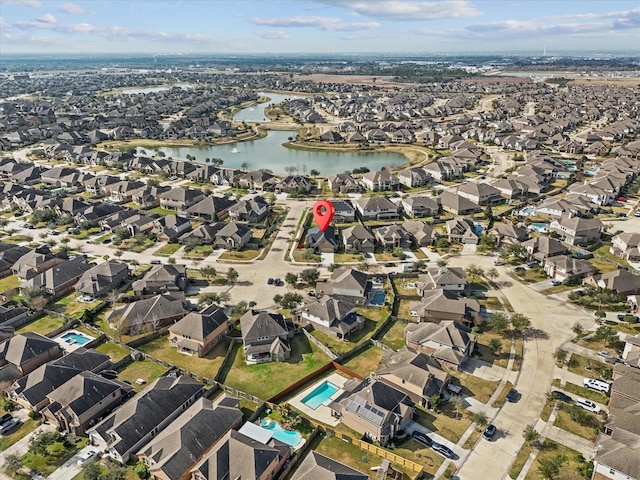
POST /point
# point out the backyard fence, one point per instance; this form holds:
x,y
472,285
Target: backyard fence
x,y
319,344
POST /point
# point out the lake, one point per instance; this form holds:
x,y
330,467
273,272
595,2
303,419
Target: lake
x,y
256,113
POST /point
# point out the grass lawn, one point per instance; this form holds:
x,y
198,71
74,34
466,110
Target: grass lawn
x,y
367,361
520,460
573,461
532,275
298,256
557,289
42,325
168,250
500,401
404,310
347,258
547,408
517,360
472,439
338,346
206,366
145,369
115,351
394,337
500,359
401,286
418,453
68,305
25,429
7,283
564,421
579,363
351,455
132,245
248,254
445,423
583,392
474,386
161,211
102,238
46,464
267,379
604,266
199,251
604,252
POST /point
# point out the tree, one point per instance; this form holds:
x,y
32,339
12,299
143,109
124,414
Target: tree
x,y
607,334
419,265
577,329
498,322
289,300
208,298
11,464
314,173
474,272
171,260
208,271
530,434
600,314
520,322
549,467
232,276
142,471
488,212
310,275
492,274
434,402
458,404
244,166
442,262
480,418
560,355
291,278
118,253
495,345
36,298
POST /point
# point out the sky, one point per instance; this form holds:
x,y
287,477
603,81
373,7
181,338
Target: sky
x,y
319,26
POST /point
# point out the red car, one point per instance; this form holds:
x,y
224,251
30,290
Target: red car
x,y
621,199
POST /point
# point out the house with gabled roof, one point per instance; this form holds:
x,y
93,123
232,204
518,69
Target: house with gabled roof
x,y
61,278
160,279
448,342
198,332
252,210
317,466
322,241
437,305
462,230
344,211
413,177
343,183
346,284
147,314
176,449
566,267
36,261
378,181
627,246
453,279
266,336
130,427
509,234
170,227
417,374
457,204
233,235
102,279
212,208
149,195
393,236
359,238
180,198
376,208
577,230
122,192
332,316
373,408
24,352
621,281
543,247
481,193
420,206
421,233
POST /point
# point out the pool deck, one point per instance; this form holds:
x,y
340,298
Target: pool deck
x,y
70,347
322,413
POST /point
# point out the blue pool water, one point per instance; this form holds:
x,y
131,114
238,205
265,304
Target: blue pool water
x,y
74,337
541,227
290,437
527,211
377,297
320,395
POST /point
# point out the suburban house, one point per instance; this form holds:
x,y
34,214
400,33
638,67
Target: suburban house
x,y
343,183
266,336
457,204
9,254
543,247
416,374
198,332
437,305
377,208
60,278
481,193
161,279
148,314
175,450
233,235
317,466
149,196
240,456
453,279
631,352
23,353
102,279
334,317
509,234
619,281
379,181
393,236
122,192
36,261
180,199
249,211
212,208
346,284
565,267
448,342
170,227
359,238
627,246
344,211
420,232
322,241
462,230
420,206
577,230
130,427
76,404
373,408
413,177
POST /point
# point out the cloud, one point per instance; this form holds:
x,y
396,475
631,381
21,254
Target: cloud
x,y
47,18
3,23
353,27
293,22
73,9
400,10
26,3
272,35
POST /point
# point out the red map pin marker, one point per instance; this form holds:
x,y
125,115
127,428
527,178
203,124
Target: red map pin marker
x,y
323,213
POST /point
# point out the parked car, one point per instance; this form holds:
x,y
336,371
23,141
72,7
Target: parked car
x,y
366,255
599,385
499,263
54,232
155,261
442,449
278,282
518,269
5,418
587,405
422,438
140,381
532,264
86,456
637,214
603,353
621,199
512,395
389,264
555,283
269,281
489,432
10,425
432,248
563,397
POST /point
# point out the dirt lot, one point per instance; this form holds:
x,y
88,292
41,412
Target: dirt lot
x,y
358,79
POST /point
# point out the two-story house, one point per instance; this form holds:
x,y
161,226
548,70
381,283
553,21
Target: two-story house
x,y
265,336
198,332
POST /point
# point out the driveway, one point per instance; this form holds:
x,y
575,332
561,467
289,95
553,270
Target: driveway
x,y
70,468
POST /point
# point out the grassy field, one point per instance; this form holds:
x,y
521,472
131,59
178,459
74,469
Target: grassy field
x,y
207,366
199,251
246,255
68,305
500,359
478,388
472,439
367,361
579,364
145,369
7,283
168,249
604,266
347,258
416,452
401,286
42,325
520,460
394,337
267,379
161,211
564,421
445,423
115,351
572,465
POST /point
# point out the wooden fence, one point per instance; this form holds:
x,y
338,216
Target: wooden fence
x,y
319,344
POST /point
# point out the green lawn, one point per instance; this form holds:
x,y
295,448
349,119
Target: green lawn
x,y
168,250
564,421
145,369
394,337
43,325
446,423
161,211
367,361
604,252
245,254
482,350
604,266
579,364
115,351
347,258
7,283
25,429
46,464
207,366
69,305
267,379
372,320
573,461
199,251
474,386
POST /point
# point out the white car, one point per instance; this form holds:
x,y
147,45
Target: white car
x,y
595,384
86,456
587,405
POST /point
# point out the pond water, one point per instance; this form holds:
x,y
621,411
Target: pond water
x,y
255,113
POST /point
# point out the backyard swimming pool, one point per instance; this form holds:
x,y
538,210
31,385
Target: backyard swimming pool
x,y
527,211
290,437
73,337
319,395
377,297
540,227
